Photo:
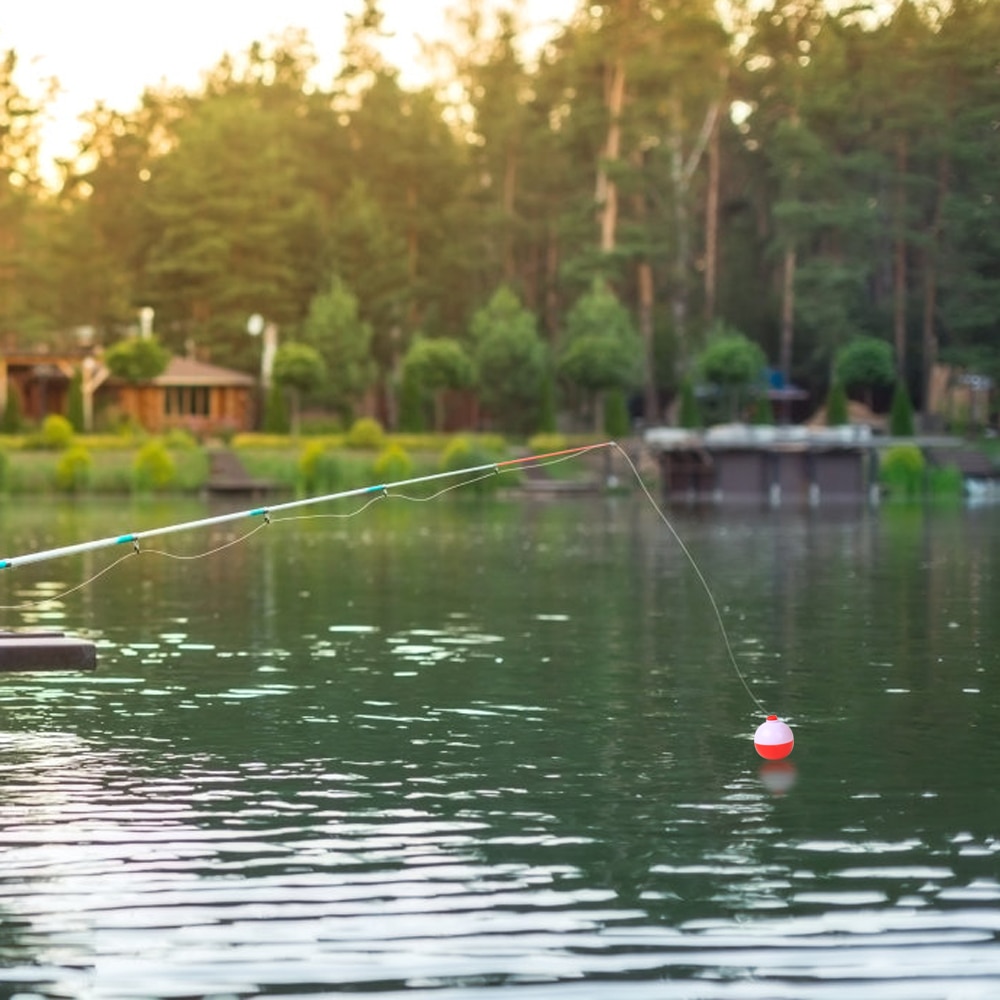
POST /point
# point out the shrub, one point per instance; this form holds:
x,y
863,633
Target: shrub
x,y
762,414
137,359
153,468
56,433
74,404
463,453
901,413
276,419
543,444
73,469
315,424
616,419
547,407
689,415
836,406
4,461
319,469
946,481
392,465
366,432
180,439
257,440
903,469
12,421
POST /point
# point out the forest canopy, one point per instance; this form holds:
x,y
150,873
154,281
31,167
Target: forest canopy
x,y
802,173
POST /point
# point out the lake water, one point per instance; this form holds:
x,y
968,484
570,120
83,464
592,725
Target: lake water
x,y
474,746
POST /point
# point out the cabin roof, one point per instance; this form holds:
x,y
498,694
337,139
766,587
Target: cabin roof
x,y
188,371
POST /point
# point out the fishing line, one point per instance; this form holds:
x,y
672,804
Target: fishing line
x,y
697,571
377,494
46,602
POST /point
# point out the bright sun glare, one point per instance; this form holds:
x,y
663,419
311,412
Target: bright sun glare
x,y
110,50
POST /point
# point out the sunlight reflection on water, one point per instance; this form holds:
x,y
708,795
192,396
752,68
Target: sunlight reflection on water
x,y
463,793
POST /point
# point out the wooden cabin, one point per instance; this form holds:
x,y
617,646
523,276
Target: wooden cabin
x,y
191,395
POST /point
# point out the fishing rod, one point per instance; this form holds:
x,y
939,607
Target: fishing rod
x,y
133,538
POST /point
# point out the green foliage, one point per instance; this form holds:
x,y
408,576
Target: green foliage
x,y
901,412
869,142
616,418
136,359
545,443
945,482
689,415
56,433
731,359
300,369
73,470
392,465
153,468
322,425
12,421
865,363
836,406
733,363
179,439
365,432
464,453
344,341
298,366
74,403
602,350
511,362
276,420
763,413
412,415
235,207
547,407
4,465
902,470
320,471
434,364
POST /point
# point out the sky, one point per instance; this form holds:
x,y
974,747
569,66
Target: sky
x,y
111,50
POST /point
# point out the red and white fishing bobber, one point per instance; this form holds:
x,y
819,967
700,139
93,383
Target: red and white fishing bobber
x,y
773,739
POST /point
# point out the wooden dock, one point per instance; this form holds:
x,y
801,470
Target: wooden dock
x,y
30,652
228,476
782,465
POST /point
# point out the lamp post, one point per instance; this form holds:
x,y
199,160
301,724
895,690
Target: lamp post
x,y
257,325
146,314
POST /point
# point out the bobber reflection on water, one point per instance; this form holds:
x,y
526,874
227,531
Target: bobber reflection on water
x,y
773,739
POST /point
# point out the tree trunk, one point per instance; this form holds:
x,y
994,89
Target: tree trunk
x,y
788,310
899,262
678,293
439,410
647,329
646,282
552,258
509,198
606,194
681,173
712,223
929,335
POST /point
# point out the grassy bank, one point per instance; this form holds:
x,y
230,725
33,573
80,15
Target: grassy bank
x,y
177,464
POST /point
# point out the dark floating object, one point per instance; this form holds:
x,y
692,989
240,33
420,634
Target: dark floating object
x,y
37,651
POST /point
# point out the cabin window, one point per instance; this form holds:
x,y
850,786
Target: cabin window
x,y
186,401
